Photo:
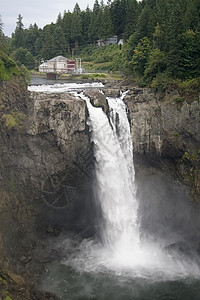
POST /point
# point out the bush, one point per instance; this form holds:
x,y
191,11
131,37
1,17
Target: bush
x,y
8,68
23,57
160,82
101,58
14,119
156,64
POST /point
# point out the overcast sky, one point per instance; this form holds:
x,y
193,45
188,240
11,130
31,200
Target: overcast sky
x,y
41,12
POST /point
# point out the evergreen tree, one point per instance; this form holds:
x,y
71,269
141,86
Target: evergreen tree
x,y
145,25
85,20
30,37
106,29
48,51
59,20
2,37
141,56
94,24
155,65
76,26
131,17
67,21
59,43
118,12
18,36
189,55
192,14
23,57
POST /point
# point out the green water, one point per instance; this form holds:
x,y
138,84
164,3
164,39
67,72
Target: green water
x,y
71,284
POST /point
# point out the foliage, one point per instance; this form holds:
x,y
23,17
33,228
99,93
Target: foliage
x,y
3,45
23,57
161,82
155,65
102,58
14,119
190,157
178,99
141,56
18,36
8,68
162,38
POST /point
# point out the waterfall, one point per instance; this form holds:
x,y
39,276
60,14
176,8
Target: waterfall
x,y
115,187
121,248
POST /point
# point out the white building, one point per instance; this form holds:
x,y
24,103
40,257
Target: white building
x,y
58,65
108,41
121,42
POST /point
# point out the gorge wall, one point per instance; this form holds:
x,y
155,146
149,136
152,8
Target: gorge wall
x,y
43,145
45,153
167,131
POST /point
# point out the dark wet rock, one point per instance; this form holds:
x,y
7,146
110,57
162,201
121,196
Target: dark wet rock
x,y
13,286
97,99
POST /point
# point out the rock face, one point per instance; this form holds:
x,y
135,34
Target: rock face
x,y
43,150
57,132
162,125
165,130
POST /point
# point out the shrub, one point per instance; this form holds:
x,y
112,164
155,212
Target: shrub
x,y
14,119
8,68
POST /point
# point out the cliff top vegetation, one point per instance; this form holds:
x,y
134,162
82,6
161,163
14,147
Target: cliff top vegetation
x,y
161,39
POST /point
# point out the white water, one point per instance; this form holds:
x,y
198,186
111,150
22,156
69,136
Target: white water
x,y
63,88
115,179
121,249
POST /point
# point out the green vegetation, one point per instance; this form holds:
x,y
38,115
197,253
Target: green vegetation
x,y
106,58
7,295
190,157
14,119
23,57
8,68
177,99
161,40
3,280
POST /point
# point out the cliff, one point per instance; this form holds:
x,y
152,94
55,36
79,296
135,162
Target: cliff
x,y
47,163
167,131
43,148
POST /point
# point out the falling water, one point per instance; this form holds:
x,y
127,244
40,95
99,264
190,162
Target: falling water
x,y
115,175
116,192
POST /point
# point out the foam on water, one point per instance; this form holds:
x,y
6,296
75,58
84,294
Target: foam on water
x,y
63,88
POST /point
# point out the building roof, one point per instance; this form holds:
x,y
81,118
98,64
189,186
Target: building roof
x,y
58,58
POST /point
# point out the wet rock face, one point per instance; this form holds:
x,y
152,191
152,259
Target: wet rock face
x,y
58,122
161,125
167,133
45,151
145,120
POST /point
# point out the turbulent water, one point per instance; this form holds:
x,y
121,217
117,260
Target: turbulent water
x,y
119,264
63,88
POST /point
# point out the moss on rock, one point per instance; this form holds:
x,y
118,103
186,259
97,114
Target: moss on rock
x,y
14,120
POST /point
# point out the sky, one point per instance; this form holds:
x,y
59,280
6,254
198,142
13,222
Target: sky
x,y
41,12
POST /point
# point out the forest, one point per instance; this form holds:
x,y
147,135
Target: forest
x,y
161,38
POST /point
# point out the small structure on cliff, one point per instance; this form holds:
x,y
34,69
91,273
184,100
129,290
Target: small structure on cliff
x,y
56,66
